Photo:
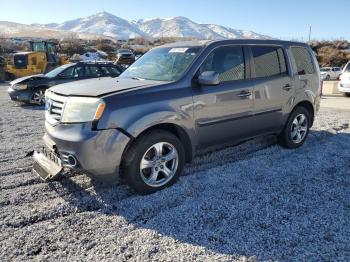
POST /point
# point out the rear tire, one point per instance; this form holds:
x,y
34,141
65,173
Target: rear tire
x,y
328,77
146,167
347,94
296,129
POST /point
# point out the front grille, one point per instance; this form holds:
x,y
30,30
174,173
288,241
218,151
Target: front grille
x,y
54,106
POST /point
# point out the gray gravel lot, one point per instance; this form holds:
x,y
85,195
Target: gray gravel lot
x,y
252,202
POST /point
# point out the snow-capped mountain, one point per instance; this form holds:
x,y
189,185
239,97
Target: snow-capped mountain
x,y
176,27
104,24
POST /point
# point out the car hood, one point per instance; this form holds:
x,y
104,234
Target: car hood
x,y
100,86
27,78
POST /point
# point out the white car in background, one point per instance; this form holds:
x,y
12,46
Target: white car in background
x,y
329,73
344,83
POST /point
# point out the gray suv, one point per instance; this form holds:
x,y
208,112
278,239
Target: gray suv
x,y
178,98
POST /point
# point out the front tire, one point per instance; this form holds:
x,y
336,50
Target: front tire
x,y
347,94
38,97
154,161
296,130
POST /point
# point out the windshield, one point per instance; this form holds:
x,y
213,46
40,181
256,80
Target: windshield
x,y
162,64
324,69
56,71
347,68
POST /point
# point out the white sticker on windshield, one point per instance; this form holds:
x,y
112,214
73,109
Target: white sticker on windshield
x,y
178,50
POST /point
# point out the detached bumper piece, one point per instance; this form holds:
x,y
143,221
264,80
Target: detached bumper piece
x,y
47,164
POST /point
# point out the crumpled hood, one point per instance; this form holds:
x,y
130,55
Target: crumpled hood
x,y
100,86
22,79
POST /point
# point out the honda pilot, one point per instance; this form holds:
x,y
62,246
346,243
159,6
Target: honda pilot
x,y
176,99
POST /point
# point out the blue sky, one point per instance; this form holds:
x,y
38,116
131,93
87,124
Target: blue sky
x,y
285,19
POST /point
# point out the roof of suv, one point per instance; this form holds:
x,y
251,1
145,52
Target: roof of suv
x,y
205,43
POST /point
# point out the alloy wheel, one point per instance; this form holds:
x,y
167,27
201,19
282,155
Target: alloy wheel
x,y
159,164
38,97
299,128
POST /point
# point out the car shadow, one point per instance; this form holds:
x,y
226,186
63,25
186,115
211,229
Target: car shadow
x,y
248,200
32,107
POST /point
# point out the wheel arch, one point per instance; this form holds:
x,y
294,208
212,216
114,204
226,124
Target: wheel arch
x,y
176,130
309,107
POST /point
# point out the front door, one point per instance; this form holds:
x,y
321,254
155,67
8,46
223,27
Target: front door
x,y
223,112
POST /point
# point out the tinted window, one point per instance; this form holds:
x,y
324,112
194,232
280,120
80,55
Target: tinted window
x,y
68,72
347,68
78,71
228,62
114,70
92,71
268,61
109,71
303,60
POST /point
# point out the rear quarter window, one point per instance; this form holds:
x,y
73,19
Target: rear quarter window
x,y
303,60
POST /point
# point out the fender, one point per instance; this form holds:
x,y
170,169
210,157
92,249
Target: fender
x,y
148,121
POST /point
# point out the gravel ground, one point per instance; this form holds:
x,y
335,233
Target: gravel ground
x,y
252,202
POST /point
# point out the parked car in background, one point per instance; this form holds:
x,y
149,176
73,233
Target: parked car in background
x,y
344,83
330,73
125,57
31,89
174,100
2,69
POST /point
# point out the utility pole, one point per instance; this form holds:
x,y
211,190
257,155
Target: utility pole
x,y
310,34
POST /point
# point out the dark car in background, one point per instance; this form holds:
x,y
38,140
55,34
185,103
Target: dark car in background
x,y
31,89
125,57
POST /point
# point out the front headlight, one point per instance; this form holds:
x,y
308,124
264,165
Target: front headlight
x,y
82,109
20,87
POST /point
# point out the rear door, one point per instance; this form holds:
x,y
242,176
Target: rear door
x,y
223,112
273,87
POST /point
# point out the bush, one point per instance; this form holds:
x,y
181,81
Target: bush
x,y
331,53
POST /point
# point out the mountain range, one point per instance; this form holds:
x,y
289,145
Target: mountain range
x,y
107,25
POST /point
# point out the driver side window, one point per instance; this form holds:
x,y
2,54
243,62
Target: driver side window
x,y
228,61
68,73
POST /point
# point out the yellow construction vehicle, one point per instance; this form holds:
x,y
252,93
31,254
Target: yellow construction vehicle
x,y
42,58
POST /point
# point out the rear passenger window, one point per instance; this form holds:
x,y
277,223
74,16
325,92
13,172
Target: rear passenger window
x,y
303,60
92,71
228,61
110,71
268,61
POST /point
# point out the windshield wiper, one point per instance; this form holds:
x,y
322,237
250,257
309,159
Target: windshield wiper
x,y
137,78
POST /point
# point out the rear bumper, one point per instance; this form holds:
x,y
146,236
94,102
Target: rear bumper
x,y
19,95
96,152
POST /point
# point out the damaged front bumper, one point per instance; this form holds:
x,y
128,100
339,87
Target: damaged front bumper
x,y
78,147
47,164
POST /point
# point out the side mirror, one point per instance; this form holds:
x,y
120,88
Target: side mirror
x,y
209,78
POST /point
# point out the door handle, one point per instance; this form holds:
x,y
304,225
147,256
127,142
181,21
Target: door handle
x,y
287,87
244,94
